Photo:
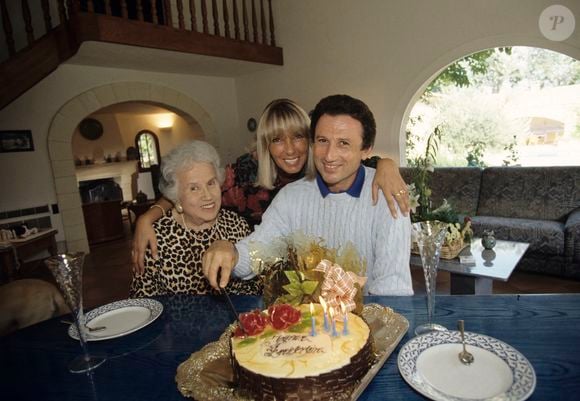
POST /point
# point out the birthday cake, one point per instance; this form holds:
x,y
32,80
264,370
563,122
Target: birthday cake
x,y
300,353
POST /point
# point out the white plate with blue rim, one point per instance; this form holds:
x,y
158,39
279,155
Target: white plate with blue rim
x,y
119,318
430,364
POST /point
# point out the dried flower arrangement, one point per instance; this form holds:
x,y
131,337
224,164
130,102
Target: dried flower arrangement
x,y
288,268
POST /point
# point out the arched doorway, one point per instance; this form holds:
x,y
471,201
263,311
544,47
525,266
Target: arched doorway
x,y
70,115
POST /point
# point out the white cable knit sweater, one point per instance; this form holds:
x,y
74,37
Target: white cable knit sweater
x,y
385,242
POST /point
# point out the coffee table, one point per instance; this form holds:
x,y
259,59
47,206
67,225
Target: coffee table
x,y
487,265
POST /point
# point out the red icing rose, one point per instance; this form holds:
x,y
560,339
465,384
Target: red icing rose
x,y
254,323
283,316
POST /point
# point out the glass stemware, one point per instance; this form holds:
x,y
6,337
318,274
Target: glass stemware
x,y
429,236
67,269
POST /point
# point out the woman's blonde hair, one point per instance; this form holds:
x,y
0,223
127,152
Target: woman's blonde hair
x,y
280,117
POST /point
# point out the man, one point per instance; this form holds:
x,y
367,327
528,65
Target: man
x,y
334,205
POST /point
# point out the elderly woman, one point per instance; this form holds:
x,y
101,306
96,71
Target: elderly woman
x,y
191,179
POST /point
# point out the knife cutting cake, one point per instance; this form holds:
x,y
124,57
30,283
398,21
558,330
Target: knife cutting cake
x,y
300,353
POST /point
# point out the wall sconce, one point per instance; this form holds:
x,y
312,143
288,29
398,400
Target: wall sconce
x,y
165,121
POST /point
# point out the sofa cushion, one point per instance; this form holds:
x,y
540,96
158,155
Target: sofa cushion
x,y
459,185
544,236
545,193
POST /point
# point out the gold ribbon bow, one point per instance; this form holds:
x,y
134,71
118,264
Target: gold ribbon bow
x,y
338,285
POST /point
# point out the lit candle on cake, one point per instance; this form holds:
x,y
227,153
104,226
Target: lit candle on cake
x,y
312,320
326,328
344,319
331,310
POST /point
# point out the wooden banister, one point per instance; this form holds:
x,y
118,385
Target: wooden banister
x,y
245,16
61,12
216,20
167,10
263,21
124,12
254,22
7,28
27,22
272,31
226,19
180,19
236,20
154,16
139,7
108,10
193,15
109,22
46,15
204,17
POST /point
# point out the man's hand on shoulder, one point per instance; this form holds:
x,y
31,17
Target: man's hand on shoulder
x,y
219,260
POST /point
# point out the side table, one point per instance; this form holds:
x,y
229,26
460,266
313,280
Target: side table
x,y
22,248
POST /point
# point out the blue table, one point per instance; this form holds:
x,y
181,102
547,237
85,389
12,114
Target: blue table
x,y
142,366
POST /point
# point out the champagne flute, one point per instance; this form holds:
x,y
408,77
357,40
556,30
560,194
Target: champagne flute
x,y
67,269
430,236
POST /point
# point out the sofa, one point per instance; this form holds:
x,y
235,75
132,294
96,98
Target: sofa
x,y
538,205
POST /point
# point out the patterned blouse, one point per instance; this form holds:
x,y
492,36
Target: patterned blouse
x,y
179,268
240,194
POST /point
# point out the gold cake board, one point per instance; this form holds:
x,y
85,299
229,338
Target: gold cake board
x,y
207,374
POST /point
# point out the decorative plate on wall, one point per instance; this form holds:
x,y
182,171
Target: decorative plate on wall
x,y
91,129
251,124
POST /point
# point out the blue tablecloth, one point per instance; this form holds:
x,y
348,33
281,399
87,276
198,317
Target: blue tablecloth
x,y
142,366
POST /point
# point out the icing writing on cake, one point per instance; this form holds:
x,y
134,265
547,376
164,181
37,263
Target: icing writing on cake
x,y
291,345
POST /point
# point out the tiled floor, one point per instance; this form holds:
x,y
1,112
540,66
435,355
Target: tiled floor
x,y
107,274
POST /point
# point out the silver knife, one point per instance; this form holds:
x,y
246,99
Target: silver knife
x,y
233,308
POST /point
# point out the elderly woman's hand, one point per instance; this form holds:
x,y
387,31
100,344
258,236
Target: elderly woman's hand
x,y
394,188
143,237
219,259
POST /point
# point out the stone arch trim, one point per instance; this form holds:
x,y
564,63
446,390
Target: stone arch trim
x,y
68,117
417,87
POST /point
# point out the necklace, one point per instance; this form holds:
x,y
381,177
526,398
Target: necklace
x,y
193,232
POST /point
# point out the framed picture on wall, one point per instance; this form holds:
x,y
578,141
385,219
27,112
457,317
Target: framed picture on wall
x,y
16,141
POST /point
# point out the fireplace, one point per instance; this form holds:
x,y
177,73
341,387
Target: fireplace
x,y
102,188
105,189
123,173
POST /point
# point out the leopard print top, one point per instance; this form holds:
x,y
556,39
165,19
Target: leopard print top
x,y
179,268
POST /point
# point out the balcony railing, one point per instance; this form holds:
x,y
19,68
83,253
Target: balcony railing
x,y
40,35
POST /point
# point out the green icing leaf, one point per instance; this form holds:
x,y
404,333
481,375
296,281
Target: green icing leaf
x,y
268,333
291,299
294,289
292,276
300,327
247,341
308,287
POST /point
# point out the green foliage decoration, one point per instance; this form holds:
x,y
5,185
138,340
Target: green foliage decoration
x,y
422,168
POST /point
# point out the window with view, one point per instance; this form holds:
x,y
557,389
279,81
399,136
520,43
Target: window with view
x,y
517,106
148,146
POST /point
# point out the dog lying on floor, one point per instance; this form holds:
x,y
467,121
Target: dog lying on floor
x,y
28,301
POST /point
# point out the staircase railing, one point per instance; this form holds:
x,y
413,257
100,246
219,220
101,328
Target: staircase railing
x,y
41,34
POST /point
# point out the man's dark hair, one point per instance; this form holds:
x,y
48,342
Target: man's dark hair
x,y
343,104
